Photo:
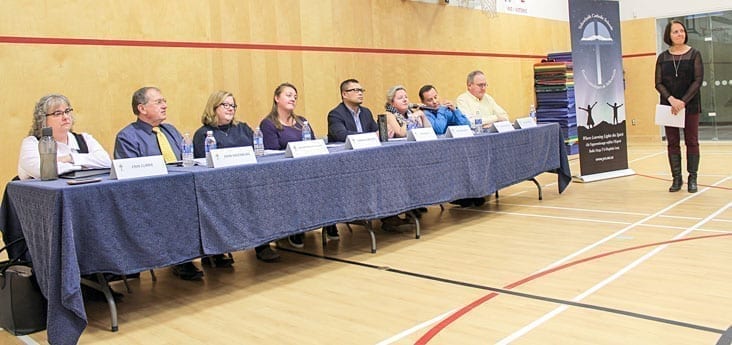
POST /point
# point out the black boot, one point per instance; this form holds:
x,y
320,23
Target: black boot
x,y
675,162
692,166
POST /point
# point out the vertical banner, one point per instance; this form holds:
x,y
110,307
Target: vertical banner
x,y
599,89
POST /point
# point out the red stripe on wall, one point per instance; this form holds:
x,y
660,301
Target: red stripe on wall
x,y
248,46
638,55
261,46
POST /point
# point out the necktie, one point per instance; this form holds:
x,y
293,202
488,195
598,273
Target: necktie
x,y
165,148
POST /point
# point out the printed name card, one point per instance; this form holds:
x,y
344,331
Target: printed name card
x,y
459,131
421,134
123,169
231,156
501,127
524,122
306,148
362,140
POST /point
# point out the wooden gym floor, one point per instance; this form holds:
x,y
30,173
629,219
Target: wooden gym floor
x,y
619,261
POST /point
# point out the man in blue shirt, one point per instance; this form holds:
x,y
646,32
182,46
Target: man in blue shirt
x,y
145,136
440,114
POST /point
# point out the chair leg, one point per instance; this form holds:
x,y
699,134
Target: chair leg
x,y
154,277
127,285
373,236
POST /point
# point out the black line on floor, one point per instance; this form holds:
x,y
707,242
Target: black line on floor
x,y
525,295
726,338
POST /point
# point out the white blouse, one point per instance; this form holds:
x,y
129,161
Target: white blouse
x,y
29,162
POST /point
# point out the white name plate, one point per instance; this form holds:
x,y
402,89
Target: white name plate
x,y
459,131
524,122
501,127
362,140
421,134
306,148
231,156
123,169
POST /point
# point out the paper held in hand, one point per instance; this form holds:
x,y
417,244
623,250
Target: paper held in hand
x,y
664,117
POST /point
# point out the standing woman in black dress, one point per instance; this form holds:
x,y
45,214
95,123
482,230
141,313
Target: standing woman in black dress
x,y
679,75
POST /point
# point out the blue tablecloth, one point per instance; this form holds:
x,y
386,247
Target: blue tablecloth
x,y
112,226
135,225
241,207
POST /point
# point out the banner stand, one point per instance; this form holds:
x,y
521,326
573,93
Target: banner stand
x,y
603,176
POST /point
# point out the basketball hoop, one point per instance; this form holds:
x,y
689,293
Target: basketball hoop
x,y
488,7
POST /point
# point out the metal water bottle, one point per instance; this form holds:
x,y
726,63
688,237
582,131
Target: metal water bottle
x,y
47,152
383,131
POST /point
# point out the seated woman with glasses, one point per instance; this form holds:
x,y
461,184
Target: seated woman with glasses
x,y
400,118
74,151
219,116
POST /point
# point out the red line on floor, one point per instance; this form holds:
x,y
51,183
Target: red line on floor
x,y
456,315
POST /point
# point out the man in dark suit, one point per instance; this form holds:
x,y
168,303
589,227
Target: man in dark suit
x,y
349,117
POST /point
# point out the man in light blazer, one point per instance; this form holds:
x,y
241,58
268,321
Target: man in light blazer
x,y
349,117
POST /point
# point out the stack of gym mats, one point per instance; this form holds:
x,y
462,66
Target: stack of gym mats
x,y
554,86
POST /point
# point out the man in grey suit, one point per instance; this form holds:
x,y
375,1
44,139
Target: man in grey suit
x,y
349,117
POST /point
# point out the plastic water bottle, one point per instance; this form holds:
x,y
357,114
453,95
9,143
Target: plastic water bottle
x,y
47,151
187,151
532,113
477,123
258,142
307,134
209,144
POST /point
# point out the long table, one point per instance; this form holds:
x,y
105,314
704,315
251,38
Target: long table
x,y
134,225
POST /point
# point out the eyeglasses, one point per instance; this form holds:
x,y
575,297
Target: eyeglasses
x,y
356,90
228,105
481,85
159,101
58,113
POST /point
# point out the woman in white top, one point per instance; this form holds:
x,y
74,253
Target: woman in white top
x,y
74,151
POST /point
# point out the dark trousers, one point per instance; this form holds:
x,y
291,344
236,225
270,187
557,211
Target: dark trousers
x,y
691,136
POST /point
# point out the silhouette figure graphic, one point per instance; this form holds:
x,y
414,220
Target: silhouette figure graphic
x,y
615,107
590,121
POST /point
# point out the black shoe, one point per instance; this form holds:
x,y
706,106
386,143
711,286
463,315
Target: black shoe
x,y
297,240
331,232
463,202
91,294
393,224
414,213
219,260
187,271
266,253
478,202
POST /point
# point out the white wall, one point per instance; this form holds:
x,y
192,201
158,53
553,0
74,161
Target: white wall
x,y
636,9
629,9
550,9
